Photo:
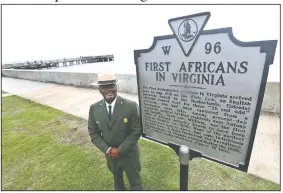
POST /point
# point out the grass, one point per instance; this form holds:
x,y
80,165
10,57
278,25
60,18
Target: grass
x,y
46,149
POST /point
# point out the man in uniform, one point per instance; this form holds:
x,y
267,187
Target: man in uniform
x,y
114,127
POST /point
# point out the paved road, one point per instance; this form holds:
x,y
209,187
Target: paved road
x,y
265,158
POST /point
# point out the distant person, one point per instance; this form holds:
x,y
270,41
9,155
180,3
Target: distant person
x,y
114,127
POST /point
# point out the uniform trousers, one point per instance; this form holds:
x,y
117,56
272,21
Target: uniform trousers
x,y
132,167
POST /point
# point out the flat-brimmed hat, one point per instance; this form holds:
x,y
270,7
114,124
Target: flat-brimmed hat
x,y
105,79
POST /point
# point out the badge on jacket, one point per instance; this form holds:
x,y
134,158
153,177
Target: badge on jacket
x,y
125,120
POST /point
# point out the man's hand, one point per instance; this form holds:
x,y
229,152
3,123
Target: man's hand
x,y
109,151
114,153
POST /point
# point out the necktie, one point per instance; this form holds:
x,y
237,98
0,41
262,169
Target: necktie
x,y
109,112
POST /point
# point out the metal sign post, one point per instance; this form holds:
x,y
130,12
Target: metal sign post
x,y
184,157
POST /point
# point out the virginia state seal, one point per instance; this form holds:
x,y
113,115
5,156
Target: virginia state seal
x,y
188,30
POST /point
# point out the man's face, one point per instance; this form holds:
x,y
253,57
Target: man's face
x,y
109,92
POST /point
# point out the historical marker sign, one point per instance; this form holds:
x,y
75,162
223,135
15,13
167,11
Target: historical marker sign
x,y
203,89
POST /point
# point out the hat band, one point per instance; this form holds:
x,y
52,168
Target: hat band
x,y
106,82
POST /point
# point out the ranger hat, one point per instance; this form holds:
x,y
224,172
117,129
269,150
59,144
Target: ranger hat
x,y
105,79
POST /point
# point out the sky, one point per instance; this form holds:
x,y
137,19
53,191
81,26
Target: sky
x,y
54,32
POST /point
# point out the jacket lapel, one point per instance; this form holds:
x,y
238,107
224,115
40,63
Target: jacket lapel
x,y
104,111
118,106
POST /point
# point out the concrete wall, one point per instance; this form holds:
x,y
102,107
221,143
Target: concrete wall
x,y
126,83
271,100
265,157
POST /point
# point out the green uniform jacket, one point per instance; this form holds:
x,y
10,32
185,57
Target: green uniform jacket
x,y
123,131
